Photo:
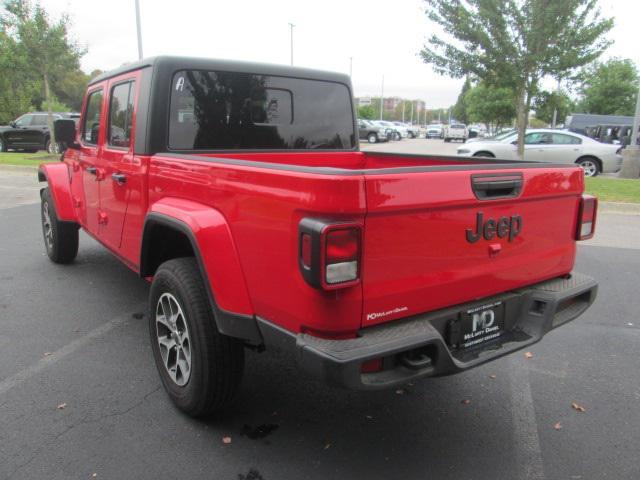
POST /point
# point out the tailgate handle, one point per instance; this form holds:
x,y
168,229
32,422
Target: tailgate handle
x,y
492,186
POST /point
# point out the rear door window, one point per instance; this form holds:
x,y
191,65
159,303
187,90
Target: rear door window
x,y
230,110
120,115
92,117
562,139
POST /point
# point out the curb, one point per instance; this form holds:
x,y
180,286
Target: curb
x,y
619,208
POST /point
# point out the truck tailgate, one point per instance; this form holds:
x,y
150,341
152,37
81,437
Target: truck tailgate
x,y
423,248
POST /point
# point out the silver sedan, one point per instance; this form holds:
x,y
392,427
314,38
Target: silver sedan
x,y
553,146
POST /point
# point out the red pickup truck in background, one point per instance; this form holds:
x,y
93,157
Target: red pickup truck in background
x,y
239,192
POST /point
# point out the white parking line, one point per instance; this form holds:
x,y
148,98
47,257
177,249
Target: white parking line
x,y
45,362
527,443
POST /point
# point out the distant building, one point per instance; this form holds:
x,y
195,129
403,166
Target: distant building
x,y
390,103
362,101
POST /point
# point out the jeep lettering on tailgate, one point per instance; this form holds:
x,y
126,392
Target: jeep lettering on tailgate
x,y
503,227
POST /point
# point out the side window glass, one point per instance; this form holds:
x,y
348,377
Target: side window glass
x,y
91,122
120,115
24,121
560,139
39,120
532,139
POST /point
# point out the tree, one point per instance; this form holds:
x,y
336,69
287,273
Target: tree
x,y
609,88
367,112
45,43
459,110
515,43
545,103
16,89
489,104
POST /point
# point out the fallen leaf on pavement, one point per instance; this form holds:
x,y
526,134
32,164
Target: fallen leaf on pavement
x,y
493,376
577,407
46,354
327,446
558,426
400,391
226,440
528,354
62,406
466,401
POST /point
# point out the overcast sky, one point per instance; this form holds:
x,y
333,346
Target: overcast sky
x,y
383,37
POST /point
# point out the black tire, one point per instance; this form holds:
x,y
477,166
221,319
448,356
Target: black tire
x,y
60,238
447,140
3,145
47,145
372,138
484,154
217,361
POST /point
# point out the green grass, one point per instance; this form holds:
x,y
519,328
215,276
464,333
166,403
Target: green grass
x,y
27,159
614,189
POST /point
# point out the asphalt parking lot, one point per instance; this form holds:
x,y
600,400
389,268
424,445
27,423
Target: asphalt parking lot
x,y
79,393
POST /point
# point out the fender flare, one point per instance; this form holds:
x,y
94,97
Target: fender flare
x,y
217,257
57,177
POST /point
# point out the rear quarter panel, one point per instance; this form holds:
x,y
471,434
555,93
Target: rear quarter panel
x,y
263,209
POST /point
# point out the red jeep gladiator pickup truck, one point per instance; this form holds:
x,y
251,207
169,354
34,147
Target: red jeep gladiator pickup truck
x,y
238,190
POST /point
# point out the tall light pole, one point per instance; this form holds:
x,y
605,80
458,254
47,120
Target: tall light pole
x,y
381,97
139,29
291,25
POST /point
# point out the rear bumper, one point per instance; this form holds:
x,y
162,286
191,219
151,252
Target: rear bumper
x,y
531,312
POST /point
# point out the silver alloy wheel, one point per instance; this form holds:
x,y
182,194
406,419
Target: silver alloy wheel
x,y
46,225
173,339
590,168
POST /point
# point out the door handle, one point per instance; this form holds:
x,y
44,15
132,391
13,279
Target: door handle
x,y
92,170
119,178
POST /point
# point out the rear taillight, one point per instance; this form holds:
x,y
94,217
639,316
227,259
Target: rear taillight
x,y
329,253
587,217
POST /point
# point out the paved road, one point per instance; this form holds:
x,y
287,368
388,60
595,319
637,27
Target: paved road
x,y
72,335
417,146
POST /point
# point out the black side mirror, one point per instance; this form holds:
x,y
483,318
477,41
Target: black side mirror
x,y
65,132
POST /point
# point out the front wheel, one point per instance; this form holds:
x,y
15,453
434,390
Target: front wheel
x,y
372,138
52,148
199,367
60,238
589,166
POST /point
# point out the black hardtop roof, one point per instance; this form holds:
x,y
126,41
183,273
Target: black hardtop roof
x,y
195,63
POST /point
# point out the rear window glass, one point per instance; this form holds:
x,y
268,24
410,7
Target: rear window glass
x,y
228,110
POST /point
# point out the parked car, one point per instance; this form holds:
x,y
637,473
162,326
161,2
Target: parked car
x,y
412,130
373,133
373,273
30,132
554,146
435,130
398,132
456,131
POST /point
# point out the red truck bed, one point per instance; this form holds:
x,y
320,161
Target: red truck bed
x,y
415,211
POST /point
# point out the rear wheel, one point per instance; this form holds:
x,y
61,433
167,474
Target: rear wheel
x,y
590,165
372,138
60,238
447,140
199,367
